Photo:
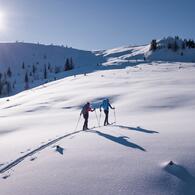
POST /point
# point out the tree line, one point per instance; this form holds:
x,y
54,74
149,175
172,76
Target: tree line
x,y
28,74
173,44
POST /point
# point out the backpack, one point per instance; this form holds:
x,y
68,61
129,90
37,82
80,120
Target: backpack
x,y
85,109
105,104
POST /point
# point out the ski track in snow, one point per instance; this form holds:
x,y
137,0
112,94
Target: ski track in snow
x,y
50,142
42,147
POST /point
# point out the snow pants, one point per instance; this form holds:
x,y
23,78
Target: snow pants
x,y
106,117
85,125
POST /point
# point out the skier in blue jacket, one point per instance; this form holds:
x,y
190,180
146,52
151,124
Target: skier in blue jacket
x,y
106,105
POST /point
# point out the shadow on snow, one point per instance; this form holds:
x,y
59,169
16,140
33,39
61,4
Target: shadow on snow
x,y
120,140
182,173
136,129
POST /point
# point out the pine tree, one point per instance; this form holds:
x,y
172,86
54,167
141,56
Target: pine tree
x,y
45,72
67,65
183,45
23,66
175,46
71,64
9,73
176,37
34,69
26,81
153,45
26,78
192,44
49,66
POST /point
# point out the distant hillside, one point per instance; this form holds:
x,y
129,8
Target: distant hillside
x,y
167,49
172,49
26,65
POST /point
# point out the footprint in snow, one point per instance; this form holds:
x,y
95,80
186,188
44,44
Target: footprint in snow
x,y
25,151
59,150
6,176
33,158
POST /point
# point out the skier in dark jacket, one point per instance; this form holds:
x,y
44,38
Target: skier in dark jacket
x,y
85,111
106,105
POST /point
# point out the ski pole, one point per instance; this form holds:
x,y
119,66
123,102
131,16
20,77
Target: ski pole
x,y
77,123
114,116
100,119
96,117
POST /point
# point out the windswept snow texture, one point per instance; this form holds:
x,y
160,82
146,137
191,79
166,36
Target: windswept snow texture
x,y
42,152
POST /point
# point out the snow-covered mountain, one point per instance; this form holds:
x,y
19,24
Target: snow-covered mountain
x,y
40,63
43,150
15,54
25,65
155,108
138,54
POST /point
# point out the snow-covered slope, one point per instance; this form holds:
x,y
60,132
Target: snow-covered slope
x,y
133,55
125,55
187,55
173,49
14,54
155,105
40,63
25,65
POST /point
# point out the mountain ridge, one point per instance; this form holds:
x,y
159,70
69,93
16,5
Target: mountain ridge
x,y
26,65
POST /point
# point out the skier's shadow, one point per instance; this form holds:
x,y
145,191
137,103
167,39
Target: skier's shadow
x,y
182,173
120,140
136,129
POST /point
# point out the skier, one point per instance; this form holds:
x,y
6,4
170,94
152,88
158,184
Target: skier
x,y
105,105
85,111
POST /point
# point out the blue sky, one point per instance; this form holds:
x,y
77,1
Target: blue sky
x,y
95,24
